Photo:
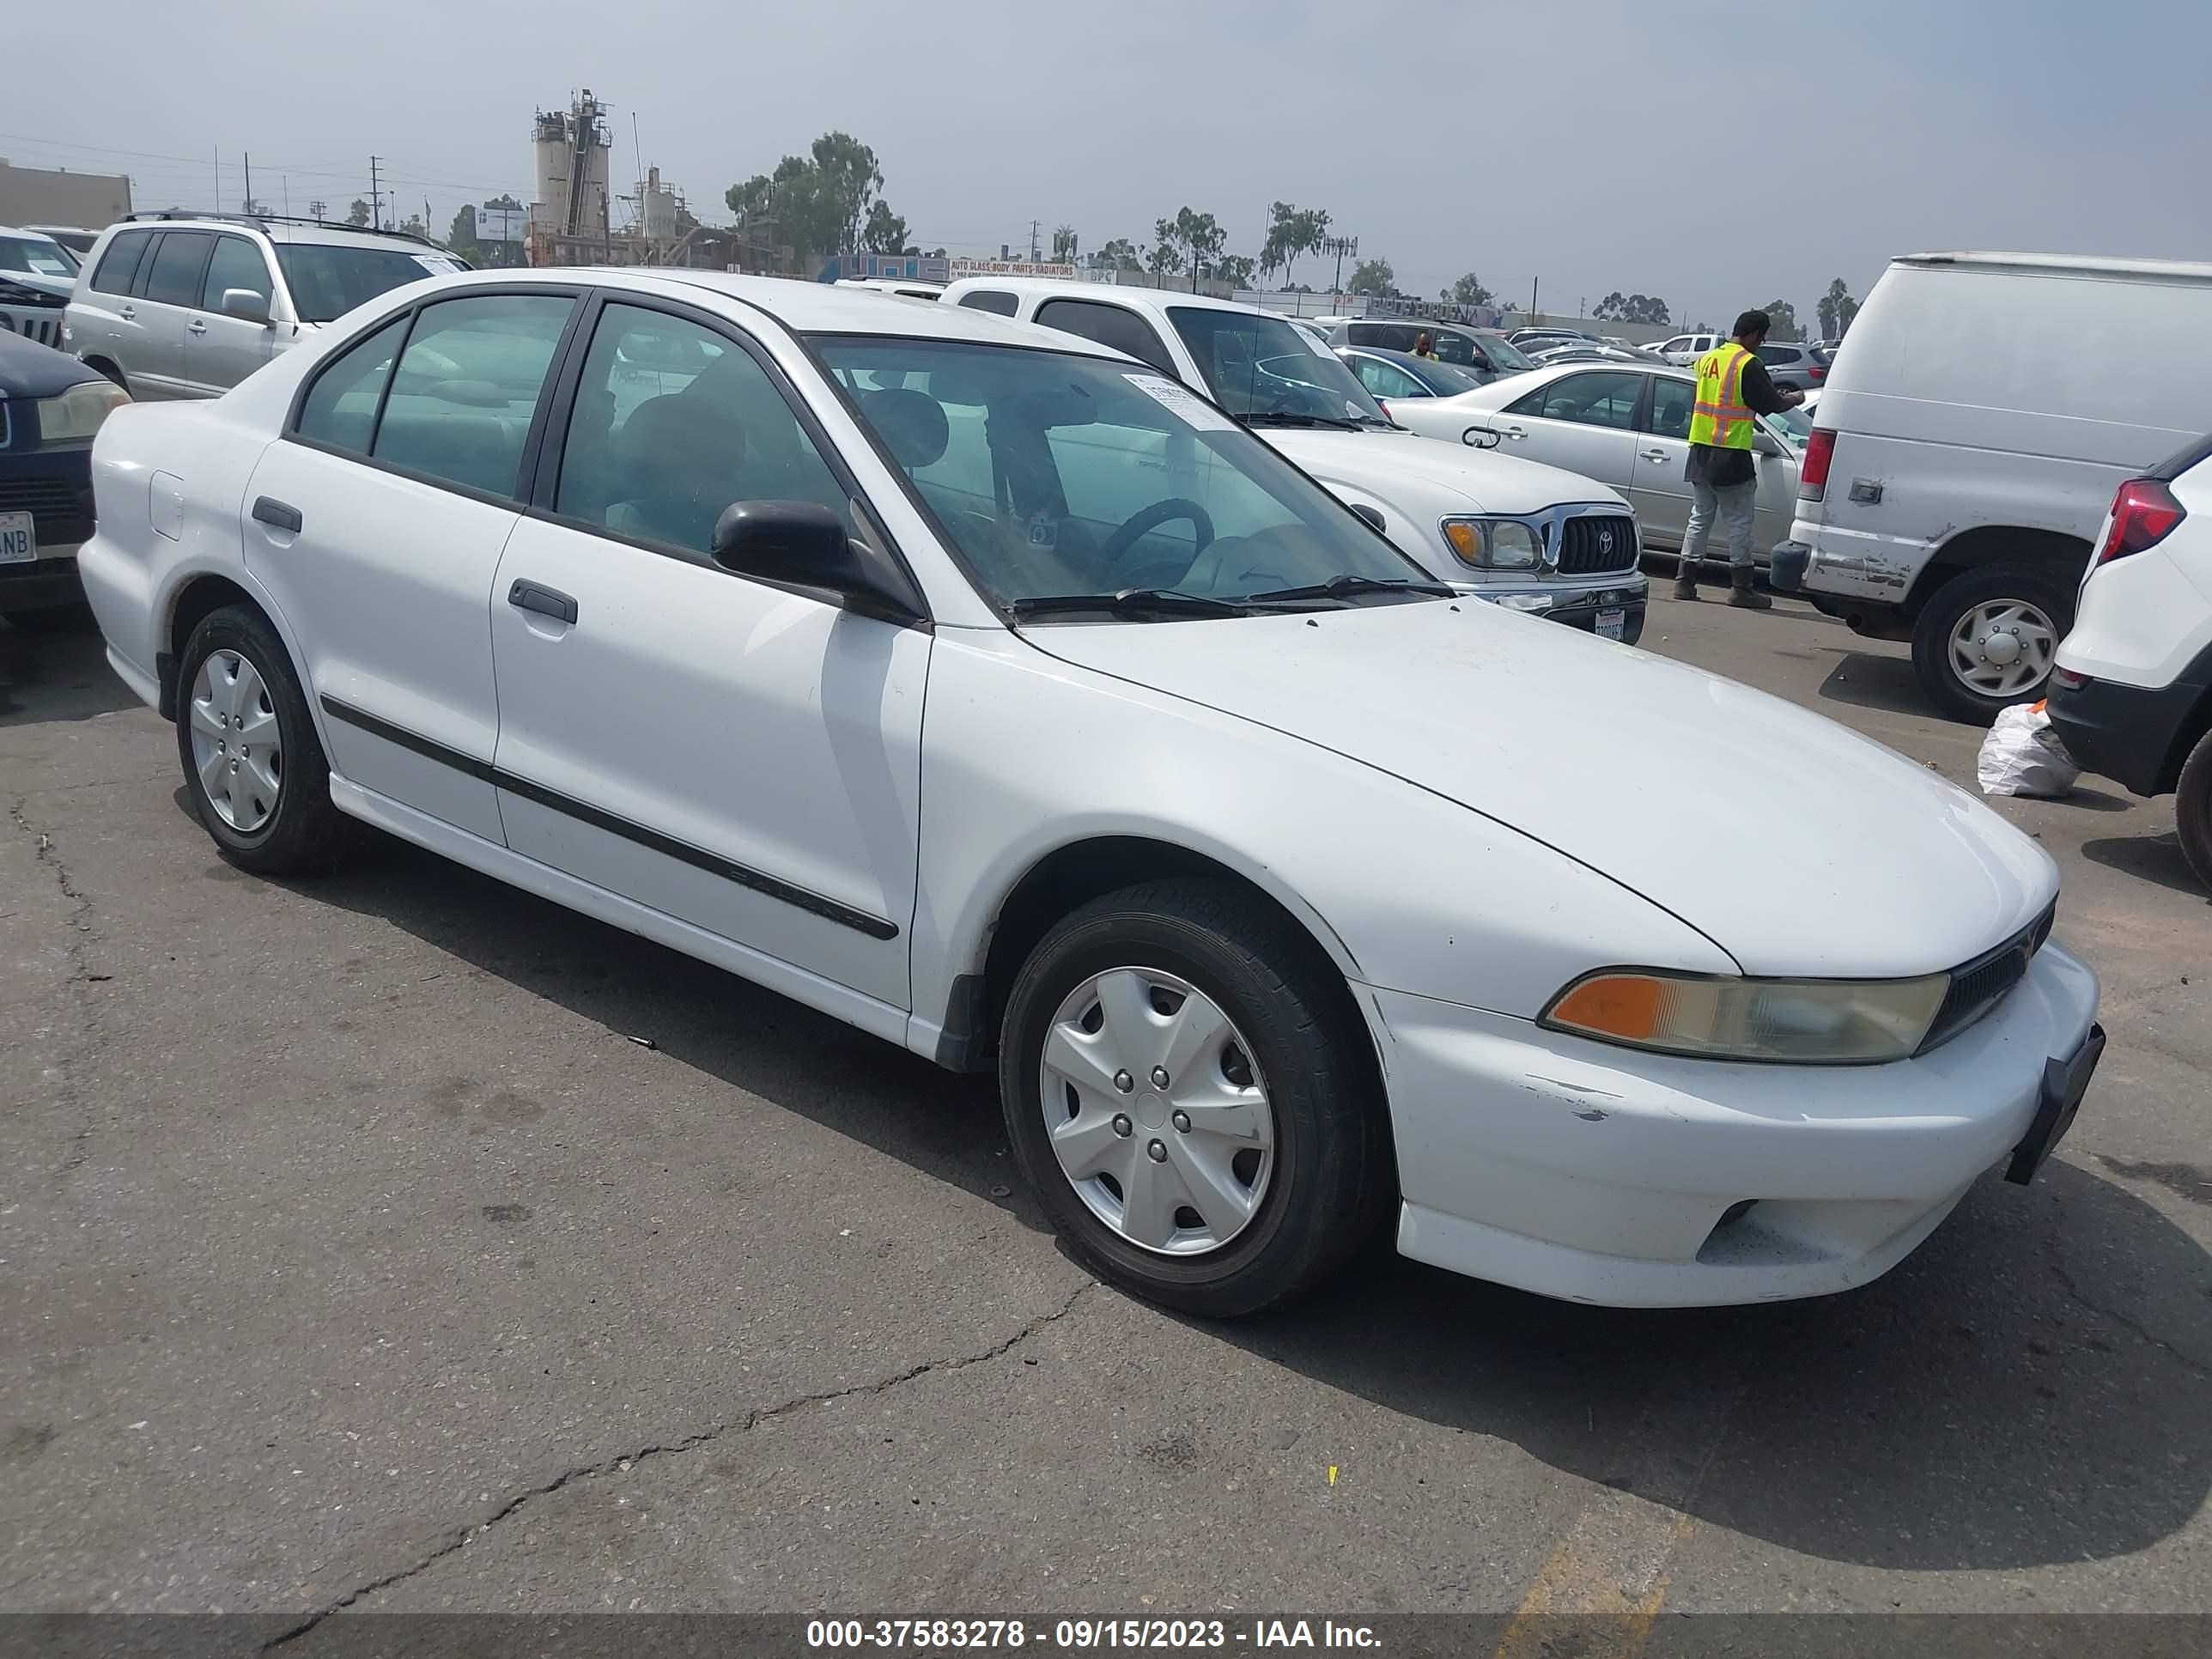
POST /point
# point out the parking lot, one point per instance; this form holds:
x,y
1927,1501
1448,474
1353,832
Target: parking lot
x,y
401,1242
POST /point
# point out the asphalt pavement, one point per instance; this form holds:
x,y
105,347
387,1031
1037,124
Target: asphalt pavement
x,y
396,1241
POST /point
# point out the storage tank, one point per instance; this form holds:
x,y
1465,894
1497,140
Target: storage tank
x,y
571,150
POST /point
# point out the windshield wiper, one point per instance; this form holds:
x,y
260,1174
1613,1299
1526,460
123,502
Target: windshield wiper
x,y
1300,417
1338,587
1138,604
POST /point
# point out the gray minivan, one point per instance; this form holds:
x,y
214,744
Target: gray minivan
x,y
189,305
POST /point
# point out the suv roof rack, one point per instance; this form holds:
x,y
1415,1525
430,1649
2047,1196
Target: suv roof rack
x,y
284,219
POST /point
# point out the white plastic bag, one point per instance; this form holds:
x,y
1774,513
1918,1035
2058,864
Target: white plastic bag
x,y
2022,755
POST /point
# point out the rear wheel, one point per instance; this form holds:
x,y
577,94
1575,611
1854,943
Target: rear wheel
x,y
2192,809
1192,1099
1985,639
253,764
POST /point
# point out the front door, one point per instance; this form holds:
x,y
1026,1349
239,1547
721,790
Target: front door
x,y
741,757
220,350
377,524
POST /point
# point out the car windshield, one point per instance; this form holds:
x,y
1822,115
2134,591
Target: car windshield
x,y
328,280
34,256
1259,365
1795,425
1446,379
1503,354
1057,475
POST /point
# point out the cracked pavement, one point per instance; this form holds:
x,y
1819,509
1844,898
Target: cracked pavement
x,y
352,1259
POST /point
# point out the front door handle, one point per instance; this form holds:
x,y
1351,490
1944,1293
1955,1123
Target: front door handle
x,y
1654,454
277,515
545,601
196,326
126,313
1514,432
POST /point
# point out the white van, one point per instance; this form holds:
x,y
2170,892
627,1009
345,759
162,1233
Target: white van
x,y
1976,422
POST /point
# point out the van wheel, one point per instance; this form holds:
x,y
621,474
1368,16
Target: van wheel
x,y
1195,1107
253,764
1985,639
2192,809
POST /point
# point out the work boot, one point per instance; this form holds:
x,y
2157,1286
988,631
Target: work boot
x,y
1746,596
1685,580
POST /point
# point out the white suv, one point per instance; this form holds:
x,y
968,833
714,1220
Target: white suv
x,y
2132,690
187,305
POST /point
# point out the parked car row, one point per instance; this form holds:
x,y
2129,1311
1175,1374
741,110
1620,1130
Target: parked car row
x,y
468,566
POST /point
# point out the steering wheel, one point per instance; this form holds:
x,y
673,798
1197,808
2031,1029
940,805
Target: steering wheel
x,y
1287,405
1152,517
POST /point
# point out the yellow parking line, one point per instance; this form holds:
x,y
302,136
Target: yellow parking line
x,y
1606,1578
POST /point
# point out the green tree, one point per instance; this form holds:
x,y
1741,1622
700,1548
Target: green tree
x,y
1468,291
1236,270
1835,309
1120,254
1166,256
1199,240
1291,231
884,232
461,235
818,202
1784,316
358,213
1374,277
1630,308
1066,245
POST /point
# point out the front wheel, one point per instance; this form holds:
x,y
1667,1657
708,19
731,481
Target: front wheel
x,y
1192,1100
2192,809
1985,639
253,764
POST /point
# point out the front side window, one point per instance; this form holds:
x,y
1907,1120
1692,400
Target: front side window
x,y
236,264
673,423
998,304
328,281
341,407
1672,402
1599,399
178,260
1109,325
1256,364
466,388
1056,475
119,266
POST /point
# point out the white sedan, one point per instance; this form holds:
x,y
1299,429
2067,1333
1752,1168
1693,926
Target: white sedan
x,y
1284,891
1624,424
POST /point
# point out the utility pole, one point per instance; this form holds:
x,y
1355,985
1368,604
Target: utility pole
x,y
249,181
376,198
1535,282
218,178
319,209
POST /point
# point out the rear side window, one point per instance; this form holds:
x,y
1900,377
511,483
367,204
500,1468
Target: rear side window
x,y
1109,325
466,388
1774,355
998,305
236,264
119,264
175,279
341,406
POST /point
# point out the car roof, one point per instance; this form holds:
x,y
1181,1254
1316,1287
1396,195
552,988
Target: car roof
x,y
284,234
2094,264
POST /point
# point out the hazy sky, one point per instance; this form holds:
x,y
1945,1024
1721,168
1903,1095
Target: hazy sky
x,y
1668,146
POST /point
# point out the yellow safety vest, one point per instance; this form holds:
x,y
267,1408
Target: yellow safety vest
x,y
1722,419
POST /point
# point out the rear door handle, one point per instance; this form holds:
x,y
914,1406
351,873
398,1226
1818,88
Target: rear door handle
x,y
125,312
196,326
545,601
277,515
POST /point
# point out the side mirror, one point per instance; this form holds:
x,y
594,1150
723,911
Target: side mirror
x,y
1373,515
246,305
804,544
1479,437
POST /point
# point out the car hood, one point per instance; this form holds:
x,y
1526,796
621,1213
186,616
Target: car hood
x,y
28,369
57,287
1795,845
1450,478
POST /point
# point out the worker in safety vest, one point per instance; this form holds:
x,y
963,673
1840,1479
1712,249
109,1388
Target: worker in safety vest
x,y
1732,388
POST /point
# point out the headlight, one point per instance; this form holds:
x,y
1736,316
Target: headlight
x,y
1494,543
78,412
1807,1021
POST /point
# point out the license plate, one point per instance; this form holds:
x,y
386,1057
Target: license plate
x,y
2064,1083
1611,623
18,538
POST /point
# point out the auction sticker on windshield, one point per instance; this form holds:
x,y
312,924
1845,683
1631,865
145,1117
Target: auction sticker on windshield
x,y
18,538
1179,399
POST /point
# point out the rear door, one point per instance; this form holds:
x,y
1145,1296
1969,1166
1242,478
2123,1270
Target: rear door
x,y
220,350
376,523
1583,422
168,296
739,756
1658,490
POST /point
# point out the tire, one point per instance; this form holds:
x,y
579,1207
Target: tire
x,y
1292,1213
301,831
1949,608
2192,809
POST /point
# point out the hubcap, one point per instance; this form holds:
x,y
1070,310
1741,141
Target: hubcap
x,y
235,746
1179,1169
2002,648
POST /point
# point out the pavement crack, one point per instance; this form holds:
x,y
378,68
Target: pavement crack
x,y
79,937
457,1539
2126,1322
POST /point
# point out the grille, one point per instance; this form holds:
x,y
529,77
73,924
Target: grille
x,y
1981,984
46,330
61,511
1595,543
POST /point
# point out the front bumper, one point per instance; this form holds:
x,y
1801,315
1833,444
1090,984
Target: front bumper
x,y
1578,604
1600,1175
